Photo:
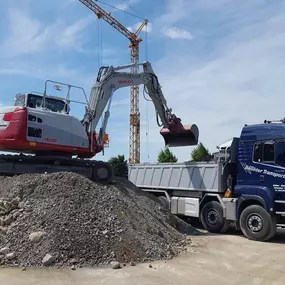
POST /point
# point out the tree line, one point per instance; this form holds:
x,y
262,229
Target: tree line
x,y
199,153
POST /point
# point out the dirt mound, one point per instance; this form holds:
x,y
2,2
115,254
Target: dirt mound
x,y
62,219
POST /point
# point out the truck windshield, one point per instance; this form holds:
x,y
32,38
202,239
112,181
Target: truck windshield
x,y
51,104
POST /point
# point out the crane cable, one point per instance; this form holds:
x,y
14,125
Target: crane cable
x,y
146,101
100,50
122,10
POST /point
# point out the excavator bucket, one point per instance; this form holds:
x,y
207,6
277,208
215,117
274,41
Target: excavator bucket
x,y
185,136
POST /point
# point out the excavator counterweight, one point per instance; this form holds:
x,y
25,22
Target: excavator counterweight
x,y
185,136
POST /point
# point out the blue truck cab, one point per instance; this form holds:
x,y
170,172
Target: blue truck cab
x,y
258,178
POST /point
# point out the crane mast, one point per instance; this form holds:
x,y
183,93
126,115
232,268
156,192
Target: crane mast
x,y
134,136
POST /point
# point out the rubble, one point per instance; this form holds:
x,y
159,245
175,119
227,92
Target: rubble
x,y
48,259
116,265
11,255
63,219
4,250
35,237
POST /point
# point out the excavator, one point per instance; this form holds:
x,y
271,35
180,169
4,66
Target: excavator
x,y
43,137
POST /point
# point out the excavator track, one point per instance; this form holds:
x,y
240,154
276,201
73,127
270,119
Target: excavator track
x,y
97,171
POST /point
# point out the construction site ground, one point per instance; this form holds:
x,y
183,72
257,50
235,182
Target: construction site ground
x,y
215,259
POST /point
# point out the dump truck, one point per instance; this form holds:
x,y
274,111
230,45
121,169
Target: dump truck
x,y
243,185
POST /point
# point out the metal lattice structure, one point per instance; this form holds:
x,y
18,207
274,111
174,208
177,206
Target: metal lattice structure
x,y
134,139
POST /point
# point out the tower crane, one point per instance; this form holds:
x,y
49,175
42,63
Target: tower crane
x,y
134,139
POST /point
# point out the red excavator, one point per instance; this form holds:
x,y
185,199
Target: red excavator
x,y
41,125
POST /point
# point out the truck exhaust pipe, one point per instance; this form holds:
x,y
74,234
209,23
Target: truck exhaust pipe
x,y
185,136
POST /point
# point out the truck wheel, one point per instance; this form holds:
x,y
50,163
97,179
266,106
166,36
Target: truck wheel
x,y
164,202
212,217
255,223
272,230
225,227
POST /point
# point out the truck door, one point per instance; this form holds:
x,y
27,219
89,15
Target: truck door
x,y
269,157
264,156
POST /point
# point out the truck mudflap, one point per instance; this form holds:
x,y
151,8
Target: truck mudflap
x,y
187,135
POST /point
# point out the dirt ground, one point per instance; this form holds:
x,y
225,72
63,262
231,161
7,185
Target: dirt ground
x,y
219,259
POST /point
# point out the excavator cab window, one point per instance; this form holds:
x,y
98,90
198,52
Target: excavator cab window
x,y
50,104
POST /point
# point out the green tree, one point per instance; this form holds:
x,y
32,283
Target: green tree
x,y
120,165
166,156
200,153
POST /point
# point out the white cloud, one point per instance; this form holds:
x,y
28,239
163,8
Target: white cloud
x,y
243,83
121,102
27,35
126,4
174,11
70,36
12,71
176,33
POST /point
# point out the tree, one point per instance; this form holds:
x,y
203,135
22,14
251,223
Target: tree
x,y
166,156
120,165
200,153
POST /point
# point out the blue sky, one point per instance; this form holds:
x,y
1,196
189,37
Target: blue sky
x,y
220,63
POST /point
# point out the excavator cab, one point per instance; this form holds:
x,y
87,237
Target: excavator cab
x,y
187,135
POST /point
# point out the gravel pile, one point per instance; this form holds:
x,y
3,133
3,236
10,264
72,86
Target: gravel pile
x,y
64,219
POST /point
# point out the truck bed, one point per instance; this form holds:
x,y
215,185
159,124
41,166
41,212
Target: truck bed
x,y
189,176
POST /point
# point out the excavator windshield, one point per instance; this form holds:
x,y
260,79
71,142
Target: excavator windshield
x,y
51,104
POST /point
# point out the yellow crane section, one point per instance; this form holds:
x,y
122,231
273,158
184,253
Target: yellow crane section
x,y
134,139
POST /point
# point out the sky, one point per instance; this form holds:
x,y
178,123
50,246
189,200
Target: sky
x,y
221,64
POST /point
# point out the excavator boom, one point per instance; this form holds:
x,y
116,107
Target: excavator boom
x,y
112,78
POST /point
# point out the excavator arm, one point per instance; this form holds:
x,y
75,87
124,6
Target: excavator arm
x,y
110,79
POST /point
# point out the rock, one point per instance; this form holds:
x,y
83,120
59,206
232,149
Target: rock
x,y
150,266
36,237
3,230
21,205
73,267
28,208
24,269
4,250
16,201
48,260
73,261
7,220
116,265
132,263
105,232
16,215
11,255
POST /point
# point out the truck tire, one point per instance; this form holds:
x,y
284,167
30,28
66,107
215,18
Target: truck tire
x,y
164,202
272,230
225,227
256,223
212,218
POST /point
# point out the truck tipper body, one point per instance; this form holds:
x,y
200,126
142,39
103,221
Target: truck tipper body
x,y
243,185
